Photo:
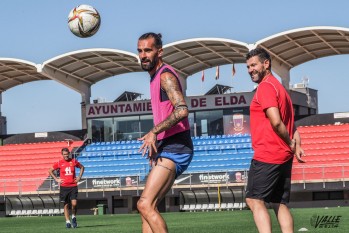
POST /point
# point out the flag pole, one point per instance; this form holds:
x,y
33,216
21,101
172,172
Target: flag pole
x,y
233,73
202,87
202,81
217,74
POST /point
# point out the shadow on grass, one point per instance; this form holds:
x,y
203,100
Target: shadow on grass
x,y
98,225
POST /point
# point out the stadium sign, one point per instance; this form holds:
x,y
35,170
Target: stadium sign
x,y
214,178
111,182
211,178
96,183
104,183
144,107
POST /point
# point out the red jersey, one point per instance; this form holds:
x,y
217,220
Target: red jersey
x,y
268,146
67,171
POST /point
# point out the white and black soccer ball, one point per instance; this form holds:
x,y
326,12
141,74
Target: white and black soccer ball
x,y
84,21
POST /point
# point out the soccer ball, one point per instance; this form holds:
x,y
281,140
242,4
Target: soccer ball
x,y
84,21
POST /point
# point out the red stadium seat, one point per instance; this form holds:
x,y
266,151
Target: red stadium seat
x,y
24,167
327,150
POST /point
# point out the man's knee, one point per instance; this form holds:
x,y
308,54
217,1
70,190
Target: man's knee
x,y
142,205
253,203
249,202
73,203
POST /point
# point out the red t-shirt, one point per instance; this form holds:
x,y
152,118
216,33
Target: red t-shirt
x,y
67,171
268,146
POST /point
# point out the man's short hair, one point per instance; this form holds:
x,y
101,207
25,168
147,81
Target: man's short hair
x,y
65,149
157,37
261,53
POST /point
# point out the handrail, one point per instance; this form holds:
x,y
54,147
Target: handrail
x,y
86,142
136,182
321,165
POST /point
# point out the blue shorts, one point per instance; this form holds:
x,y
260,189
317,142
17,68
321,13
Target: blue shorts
x,y
182,161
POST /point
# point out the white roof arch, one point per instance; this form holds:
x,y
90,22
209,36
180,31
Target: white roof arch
x,y
89,66
14,72
298,46
93,65
193,55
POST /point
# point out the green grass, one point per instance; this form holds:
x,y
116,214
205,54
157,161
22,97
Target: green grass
x,y
198,222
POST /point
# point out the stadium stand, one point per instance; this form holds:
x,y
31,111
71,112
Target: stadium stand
x,y
327,149
110,159
211,154
24,167
221,153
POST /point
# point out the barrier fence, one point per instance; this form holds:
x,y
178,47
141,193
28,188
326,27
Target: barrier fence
x,y
301,174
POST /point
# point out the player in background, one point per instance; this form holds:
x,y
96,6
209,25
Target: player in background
x,y
68,183
169,145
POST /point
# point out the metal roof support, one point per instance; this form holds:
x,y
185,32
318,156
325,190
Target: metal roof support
x,y
183,81
283,71
0,103
3,127
77,85
85,99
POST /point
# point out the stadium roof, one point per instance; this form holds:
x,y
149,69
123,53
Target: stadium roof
x,y
218,89
191,56
290,48
14,72
298,46
93,65
128,96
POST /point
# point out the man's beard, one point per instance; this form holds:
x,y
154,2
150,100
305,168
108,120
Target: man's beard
x,y
151,65
261,75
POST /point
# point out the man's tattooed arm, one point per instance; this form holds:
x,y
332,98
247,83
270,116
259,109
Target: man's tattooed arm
x,y
170,84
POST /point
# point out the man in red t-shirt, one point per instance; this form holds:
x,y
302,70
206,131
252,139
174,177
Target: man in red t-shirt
x,y
275,141
68,184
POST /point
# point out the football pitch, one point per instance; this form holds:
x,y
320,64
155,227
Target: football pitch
x,y
330,220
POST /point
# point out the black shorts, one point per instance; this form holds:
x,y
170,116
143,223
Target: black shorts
x,y
269,182
66,194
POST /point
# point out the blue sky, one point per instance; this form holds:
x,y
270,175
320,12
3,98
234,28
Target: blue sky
x,y
37,31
